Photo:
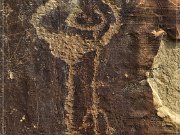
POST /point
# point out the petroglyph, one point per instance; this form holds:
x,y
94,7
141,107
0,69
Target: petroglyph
x,y
165,82
95,110
71,49
61,44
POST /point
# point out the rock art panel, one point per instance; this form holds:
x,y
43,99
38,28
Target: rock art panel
x,y
71,48
79,67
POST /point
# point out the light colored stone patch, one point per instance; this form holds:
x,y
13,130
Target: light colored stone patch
x,y
165,82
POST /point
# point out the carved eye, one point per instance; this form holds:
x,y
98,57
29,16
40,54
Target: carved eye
x,y
90,21
94,18
55,21
74,32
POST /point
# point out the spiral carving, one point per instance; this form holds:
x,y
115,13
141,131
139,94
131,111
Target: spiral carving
x,y
71,47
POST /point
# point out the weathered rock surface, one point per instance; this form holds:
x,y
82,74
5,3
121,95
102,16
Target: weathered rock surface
x,y
165,82
89,67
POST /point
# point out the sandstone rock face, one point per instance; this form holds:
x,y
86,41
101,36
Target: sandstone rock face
x,y
89,67
165,82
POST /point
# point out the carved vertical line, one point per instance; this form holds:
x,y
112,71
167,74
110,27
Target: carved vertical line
x,y
95,98
69,102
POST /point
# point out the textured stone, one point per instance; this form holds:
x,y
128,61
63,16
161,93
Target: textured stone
x,y
79,67
164,81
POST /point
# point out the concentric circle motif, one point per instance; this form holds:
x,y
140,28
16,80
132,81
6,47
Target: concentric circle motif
x,y
71,47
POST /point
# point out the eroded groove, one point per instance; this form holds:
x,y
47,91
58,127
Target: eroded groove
x,y
95,110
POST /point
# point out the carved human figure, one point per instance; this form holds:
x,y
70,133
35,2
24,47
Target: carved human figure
x,y
71,49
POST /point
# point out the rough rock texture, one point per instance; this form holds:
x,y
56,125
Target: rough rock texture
x,y
164,81
79,67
